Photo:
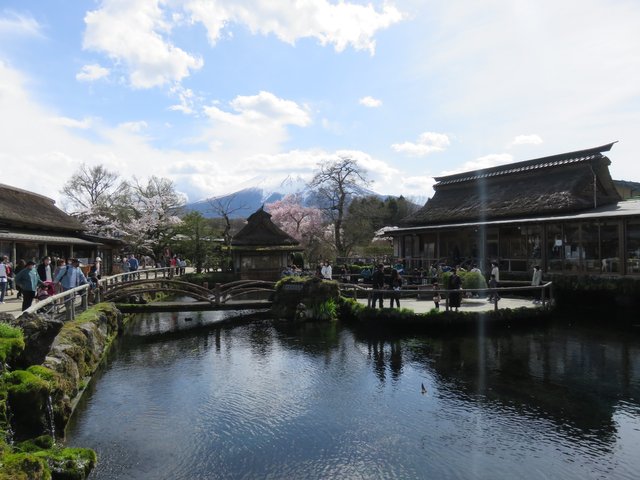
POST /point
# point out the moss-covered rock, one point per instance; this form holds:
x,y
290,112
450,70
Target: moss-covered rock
x,y
41,458
23,466
76,353
28,398
305,298
11,343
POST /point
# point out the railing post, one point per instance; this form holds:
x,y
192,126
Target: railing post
x,y
217,293
84,299
70,312
543,298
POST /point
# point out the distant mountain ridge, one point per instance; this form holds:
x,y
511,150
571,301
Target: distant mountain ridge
x,y
243,202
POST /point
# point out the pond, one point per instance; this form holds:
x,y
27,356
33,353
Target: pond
x,y
323,401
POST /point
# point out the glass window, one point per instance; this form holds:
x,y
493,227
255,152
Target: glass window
x,y
633,246
555,247
609,247
591,246
572,250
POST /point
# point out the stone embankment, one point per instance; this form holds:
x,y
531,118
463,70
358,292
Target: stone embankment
x,y
47,371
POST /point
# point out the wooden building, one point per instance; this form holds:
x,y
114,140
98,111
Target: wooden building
x,y
261,250
31,227
561,212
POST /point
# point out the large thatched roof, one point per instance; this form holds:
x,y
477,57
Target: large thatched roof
x,y
261,231
551,185
22,209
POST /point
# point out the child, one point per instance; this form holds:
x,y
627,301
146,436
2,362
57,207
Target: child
x,y
436,296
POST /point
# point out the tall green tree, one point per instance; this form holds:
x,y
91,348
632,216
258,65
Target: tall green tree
x,y
195,239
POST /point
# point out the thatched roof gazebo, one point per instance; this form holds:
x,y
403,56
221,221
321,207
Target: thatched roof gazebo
x,y
261,250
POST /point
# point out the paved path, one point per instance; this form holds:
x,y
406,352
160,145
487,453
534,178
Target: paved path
x,y
11,305
468,304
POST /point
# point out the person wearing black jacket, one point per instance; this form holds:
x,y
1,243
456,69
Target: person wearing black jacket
x,y
45,270
378,284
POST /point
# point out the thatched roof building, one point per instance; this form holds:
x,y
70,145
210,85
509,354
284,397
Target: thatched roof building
x,y
261,250
562,212
22,209
31,226
568,182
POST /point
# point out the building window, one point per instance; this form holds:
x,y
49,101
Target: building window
x,y
609,247
555,247
633,246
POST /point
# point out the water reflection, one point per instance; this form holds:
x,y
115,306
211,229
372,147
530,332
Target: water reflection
x,y
317,400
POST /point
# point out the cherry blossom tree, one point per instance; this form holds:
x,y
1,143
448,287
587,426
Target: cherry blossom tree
x,y
305,224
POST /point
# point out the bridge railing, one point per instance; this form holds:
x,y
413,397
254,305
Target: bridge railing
x,y
76,300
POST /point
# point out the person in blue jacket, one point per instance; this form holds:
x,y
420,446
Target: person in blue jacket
x,y
70,276
28,280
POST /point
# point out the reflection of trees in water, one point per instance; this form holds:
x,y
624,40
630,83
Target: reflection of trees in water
x,y
574,379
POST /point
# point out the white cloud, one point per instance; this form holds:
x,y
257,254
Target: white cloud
x,y
136,33
133,32
13,23
83,124
526,140
90,73
262,111
342,24
134,127
187,100
428,142
370,102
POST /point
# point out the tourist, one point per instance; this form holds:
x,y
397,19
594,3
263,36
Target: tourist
x,y
60,264
28,280
133,264
124,266
455,283
346,278
493,293
436,296
45,270
495,271
10,281
395,283
19,266
326,270
70,276
378,284
536,281
95,272
475,269
4,277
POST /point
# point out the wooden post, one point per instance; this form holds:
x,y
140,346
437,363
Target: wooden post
x,y
84,299
217,293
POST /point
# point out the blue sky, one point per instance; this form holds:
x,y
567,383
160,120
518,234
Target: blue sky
x,y
218,94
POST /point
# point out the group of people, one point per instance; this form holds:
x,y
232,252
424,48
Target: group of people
x,y
45,279
381,284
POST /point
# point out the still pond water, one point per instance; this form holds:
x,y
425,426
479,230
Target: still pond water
x,y
261,400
